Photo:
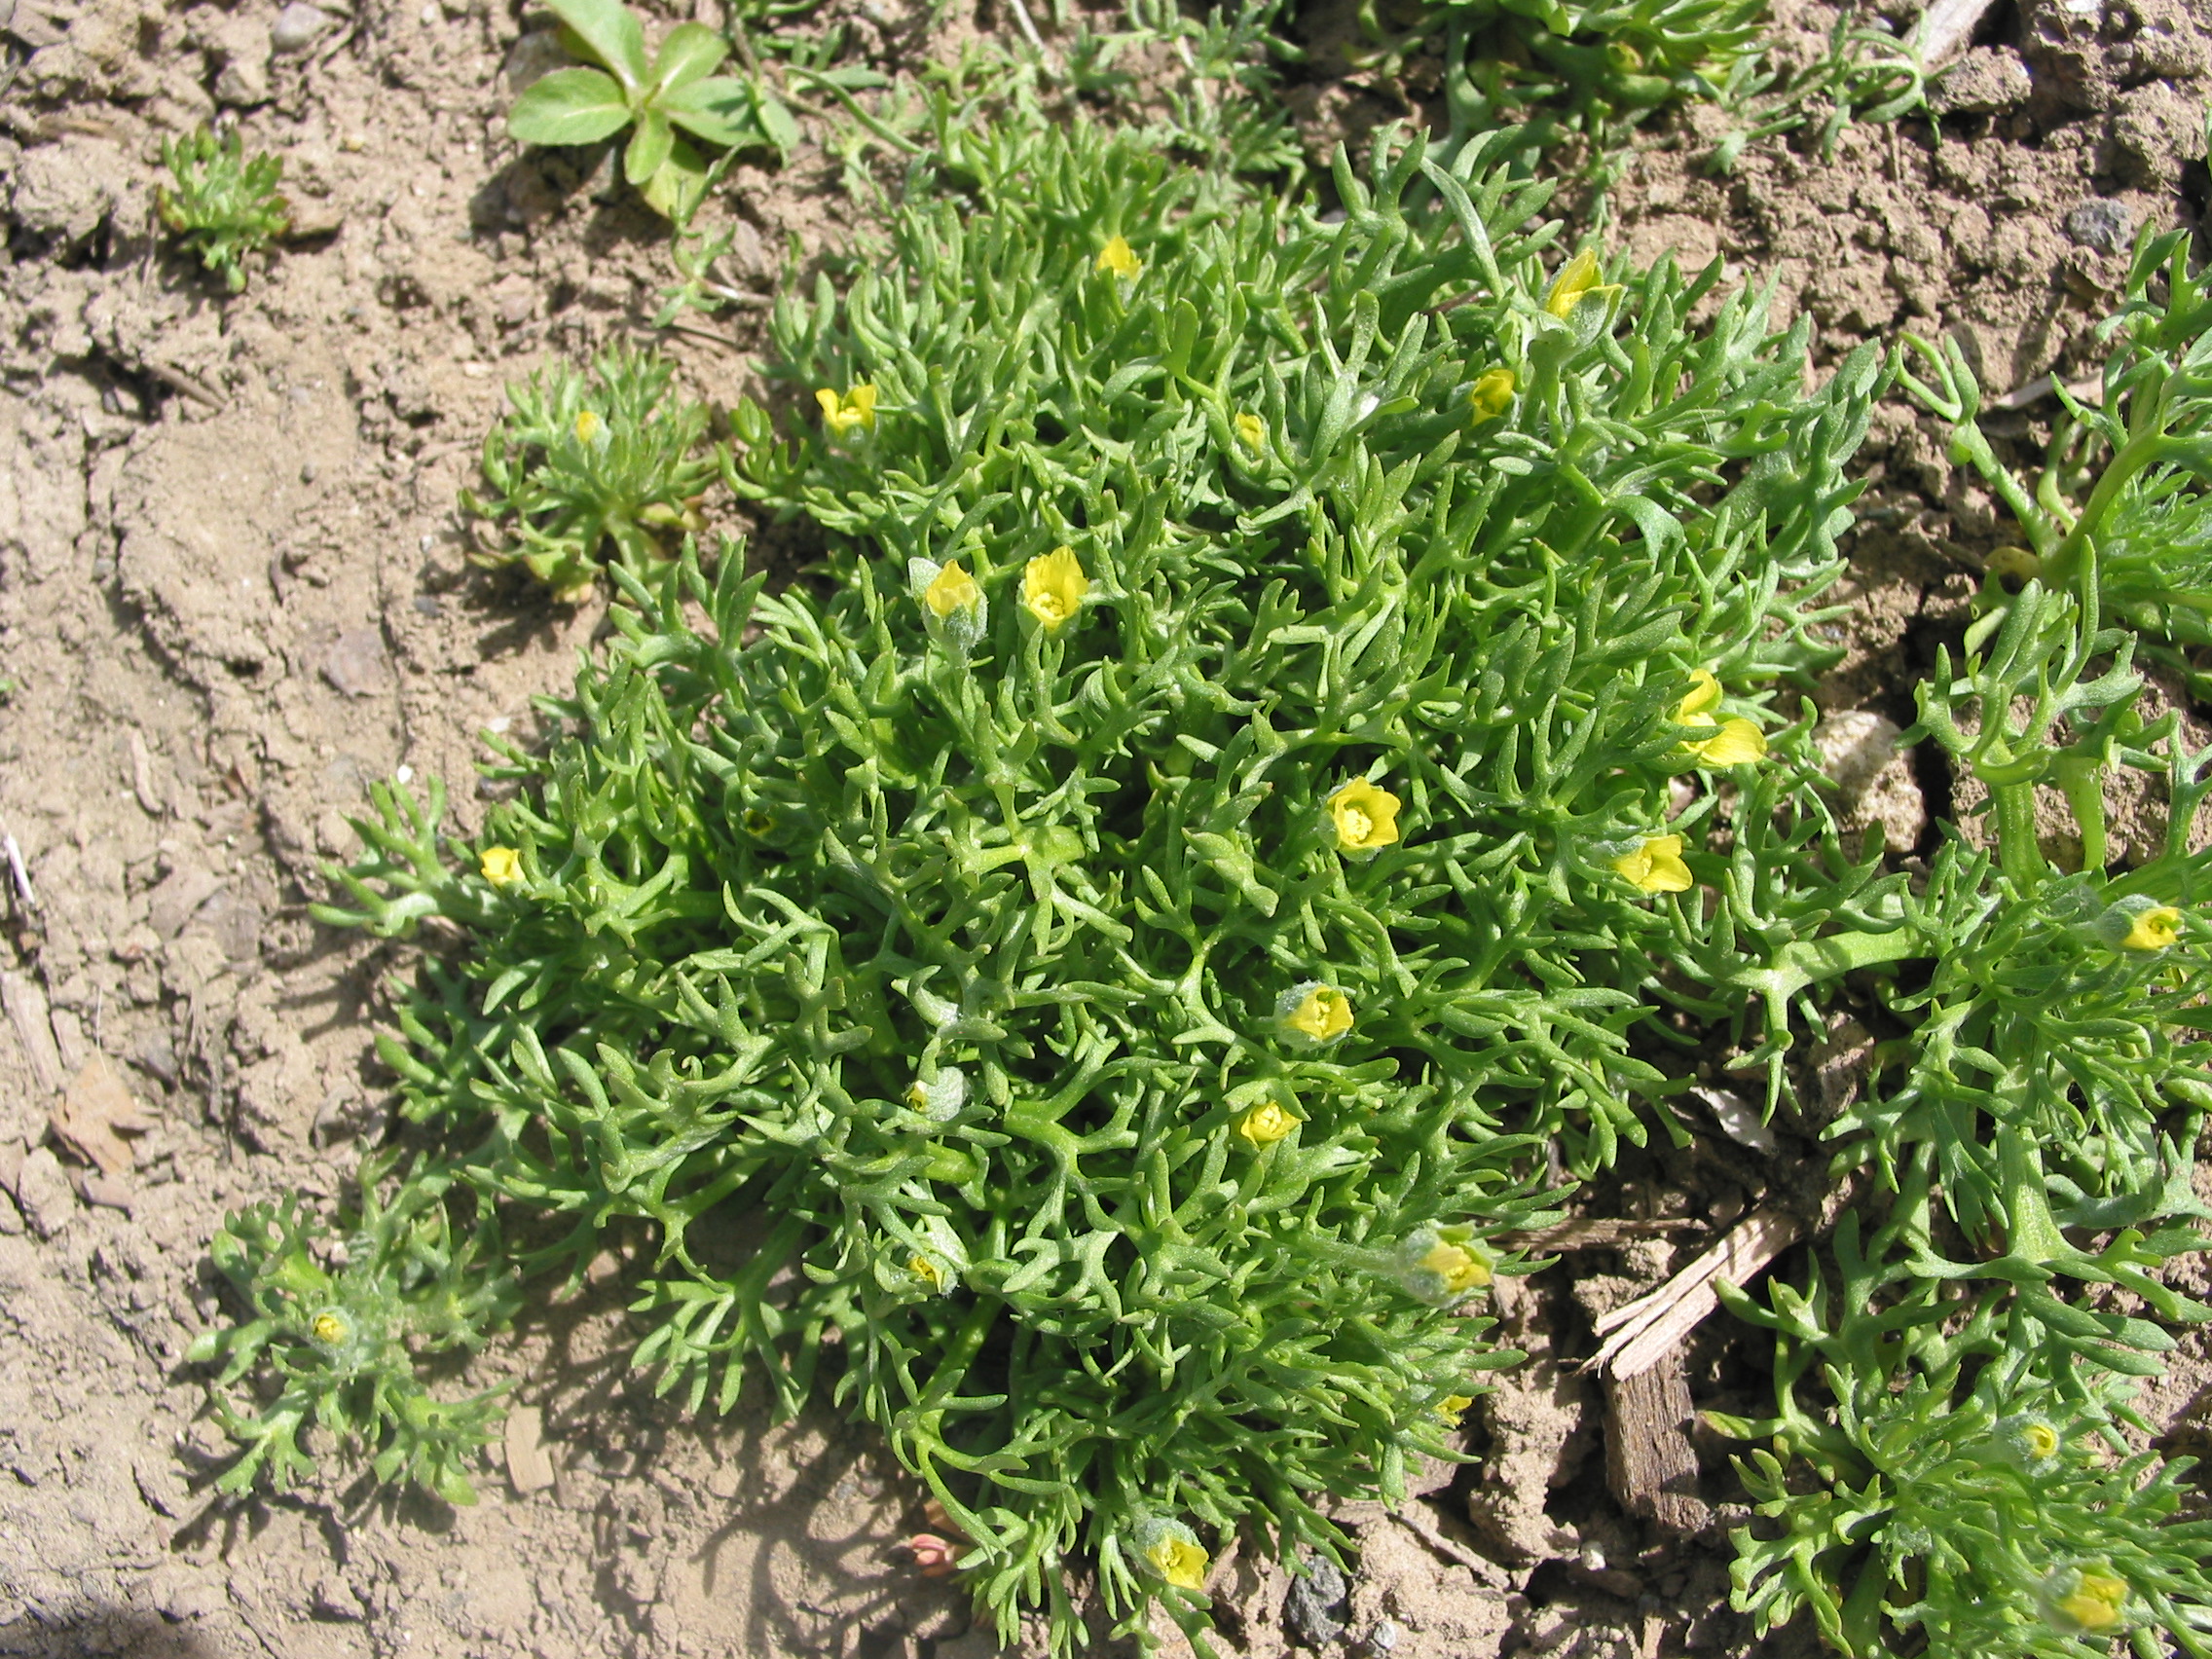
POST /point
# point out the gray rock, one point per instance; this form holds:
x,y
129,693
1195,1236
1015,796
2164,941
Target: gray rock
x,y
298,26
1315,1611
2101,223
1853,747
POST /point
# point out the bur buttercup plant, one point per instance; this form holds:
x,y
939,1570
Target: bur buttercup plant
x,y
1139,935
222,203
591,464
1289,761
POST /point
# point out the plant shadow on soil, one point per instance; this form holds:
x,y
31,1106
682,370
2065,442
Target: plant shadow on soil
x,y
108,1633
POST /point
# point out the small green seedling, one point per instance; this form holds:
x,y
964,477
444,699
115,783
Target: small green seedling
x,y
677,89
585,459
225,204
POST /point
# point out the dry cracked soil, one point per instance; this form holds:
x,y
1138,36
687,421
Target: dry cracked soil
x,y
234,592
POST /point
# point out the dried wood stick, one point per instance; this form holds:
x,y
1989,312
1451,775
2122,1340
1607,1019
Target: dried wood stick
x,y
1642,1331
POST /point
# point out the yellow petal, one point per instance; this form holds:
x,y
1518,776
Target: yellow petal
x,y
1452,1405
1118,257
1703,695
952,589
1656,865
1182,1563
1053,586
502,864
1252,429
856,408
1736,742
588,425
1571,286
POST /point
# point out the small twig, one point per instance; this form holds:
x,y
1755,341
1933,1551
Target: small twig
x,y
17,873
2042,387
1036,41
1642,1331
706,334
176,380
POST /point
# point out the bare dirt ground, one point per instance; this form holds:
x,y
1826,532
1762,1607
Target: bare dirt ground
x,y
233,592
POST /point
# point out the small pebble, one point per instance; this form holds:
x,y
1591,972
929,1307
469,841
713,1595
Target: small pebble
x,y
2101,223
298,26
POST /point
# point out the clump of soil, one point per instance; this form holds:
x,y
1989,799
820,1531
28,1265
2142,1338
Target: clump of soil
x,y
234,591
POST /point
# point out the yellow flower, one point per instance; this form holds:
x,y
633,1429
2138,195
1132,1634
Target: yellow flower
x,y
1053,587
1452,1405
2084,1601
1725,743
1656,865
589,426
1573,284
1494,392
928,1272
952,589
1440,1265
1461,1269
1266,1125
1366,817
1180,1562
1252,429
2040,1439
1321,1013
502,864
1118,257
2153,928
758,823
328,1328
856,410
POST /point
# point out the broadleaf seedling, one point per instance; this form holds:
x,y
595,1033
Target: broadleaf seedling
x,y
666,101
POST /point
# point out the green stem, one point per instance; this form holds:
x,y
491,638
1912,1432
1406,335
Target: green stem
x,y
2017,852
2141,452
1808,961
852,108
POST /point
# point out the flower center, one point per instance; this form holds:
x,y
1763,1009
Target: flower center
x,y
1357,825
